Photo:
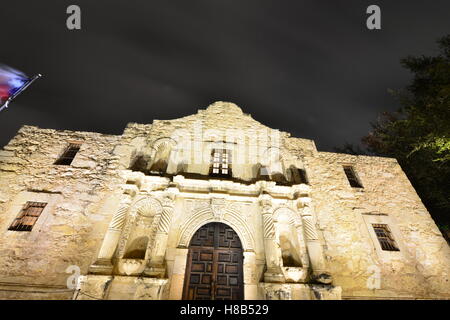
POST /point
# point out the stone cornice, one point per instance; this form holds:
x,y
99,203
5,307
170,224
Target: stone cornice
x,y
138,182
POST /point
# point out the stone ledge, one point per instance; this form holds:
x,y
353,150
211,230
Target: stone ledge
x,y
297,291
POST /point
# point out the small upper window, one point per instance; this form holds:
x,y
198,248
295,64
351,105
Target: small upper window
x,y
385,238
221,162
352,177
69,154
28,216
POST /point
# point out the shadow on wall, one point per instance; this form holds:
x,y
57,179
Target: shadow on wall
x,y
137,249
288,252
141,162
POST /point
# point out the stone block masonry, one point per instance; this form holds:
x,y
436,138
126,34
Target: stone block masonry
x,y
125,209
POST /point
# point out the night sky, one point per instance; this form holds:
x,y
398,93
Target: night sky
x,y
310,68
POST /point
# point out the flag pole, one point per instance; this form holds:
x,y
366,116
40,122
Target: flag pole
x,y
5,105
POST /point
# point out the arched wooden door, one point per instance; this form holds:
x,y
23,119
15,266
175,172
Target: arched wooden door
x,y
214,265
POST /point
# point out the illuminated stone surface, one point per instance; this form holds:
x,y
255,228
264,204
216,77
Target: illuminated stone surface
x,y
100,214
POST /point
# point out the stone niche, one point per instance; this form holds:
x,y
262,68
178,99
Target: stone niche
x,y
289,237
136,254
137,266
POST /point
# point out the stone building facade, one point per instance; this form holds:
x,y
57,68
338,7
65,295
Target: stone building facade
x,y
213,205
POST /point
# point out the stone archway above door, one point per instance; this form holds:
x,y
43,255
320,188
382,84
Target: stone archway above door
x,y
206,215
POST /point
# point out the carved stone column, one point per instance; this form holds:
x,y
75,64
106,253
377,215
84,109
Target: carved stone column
x,y
304,256
103,263
272,251
162,234
313,245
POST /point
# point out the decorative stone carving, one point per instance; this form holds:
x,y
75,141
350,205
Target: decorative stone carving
x,y
166,218
278,292
131,266
294,217
144,222
144,215
269,230
267,210
204,215
118,219
218,207
92,287
147,207
151,289
243,208
124,236
290,239
315,251
160,242
294,274
194,205
418,270
266,205
162,143
274,154
103,263
310,229
271,248
167,201
160,154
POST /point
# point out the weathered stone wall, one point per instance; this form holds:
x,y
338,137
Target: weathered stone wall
x,y
84,197
194,136
69,229
422,266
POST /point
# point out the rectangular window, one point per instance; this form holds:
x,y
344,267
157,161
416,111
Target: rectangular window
x,y
69,154
221,162
352,177
28,216
385,238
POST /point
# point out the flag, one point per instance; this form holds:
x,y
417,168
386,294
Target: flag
x,y
12,82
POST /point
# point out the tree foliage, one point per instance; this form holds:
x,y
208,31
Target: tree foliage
x,y
418,134
350,148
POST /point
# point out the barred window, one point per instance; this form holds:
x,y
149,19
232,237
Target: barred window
x,y
28,216
69,154
385,238
221,162
352,177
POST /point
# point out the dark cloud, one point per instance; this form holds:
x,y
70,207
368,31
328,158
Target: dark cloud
x,y
307,67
